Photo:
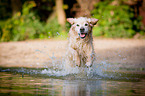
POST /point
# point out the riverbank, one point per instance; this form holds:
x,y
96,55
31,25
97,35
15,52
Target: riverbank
x,y
39,53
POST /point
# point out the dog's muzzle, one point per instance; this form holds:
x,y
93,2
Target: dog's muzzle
x,y
82,33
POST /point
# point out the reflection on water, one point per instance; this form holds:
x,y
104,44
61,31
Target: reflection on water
x,y
13,84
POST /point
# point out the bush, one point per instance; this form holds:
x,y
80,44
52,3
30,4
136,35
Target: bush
x,y
22,26
53,28
115,20
28,26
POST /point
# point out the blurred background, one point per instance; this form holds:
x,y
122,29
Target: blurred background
x,y
41,19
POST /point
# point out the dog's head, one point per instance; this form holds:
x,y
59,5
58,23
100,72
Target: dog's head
x,y
83,26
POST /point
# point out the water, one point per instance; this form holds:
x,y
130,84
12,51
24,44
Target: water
x,y
100,80
13,84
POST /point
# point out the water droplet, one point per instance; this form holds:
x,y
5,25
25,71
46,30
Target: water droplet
x,y
58,33
37,63
124,58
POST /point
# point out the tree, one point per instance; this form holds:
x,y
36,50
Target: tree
x,y
86,6
60,12
142,11
16,6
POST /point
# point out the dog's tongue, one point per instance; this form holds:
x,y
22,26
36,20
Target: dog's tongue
x,y
82,35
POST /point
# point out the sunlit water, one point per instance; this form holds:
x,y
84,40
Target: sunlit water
x,y
100,80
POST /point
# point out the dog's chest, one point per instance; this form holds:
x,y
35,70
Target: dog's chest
x,y
81,47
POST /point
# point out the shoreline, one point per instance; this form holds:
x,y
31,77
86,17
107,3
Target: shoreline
x,y
128,53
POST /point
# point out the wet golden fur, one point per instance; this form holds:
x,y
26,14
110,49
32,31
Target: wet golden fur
x,y
80,52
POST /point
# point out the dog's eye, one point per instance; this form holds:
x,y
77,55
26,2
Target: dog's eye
x,y
78,25
86,24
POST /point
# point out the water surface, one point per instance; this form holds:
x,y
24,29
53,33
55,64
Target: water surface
x,y
77,82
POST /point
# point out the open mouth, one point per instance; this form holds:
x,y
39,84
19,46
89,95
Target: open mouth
x,y
82,35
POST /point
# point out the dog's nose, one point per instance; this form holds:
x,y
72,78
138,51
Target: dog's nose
x,y
82,29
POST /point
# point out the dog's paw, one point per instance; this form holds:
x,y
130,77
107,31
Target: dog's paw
x,y
88,64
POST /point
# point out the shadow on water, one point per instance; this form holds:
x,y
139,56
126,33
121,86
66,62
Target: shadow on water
x,y
101,79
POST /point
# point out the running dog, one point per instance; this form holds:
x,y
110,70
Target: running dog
x,y
80,50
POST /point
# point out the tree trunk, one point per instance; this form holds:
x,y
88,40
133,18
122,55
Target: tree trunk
x,y
142,12
16,6
60,12
86,6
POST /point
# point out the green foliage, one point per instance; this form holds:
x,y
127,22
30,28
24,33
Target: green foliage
x,y
115,20
53,28
28,26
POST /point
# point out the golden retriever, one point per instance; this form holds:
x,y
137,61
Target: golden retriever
x,y
80,51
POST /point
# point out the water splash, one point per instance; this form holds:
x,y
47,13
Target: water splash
x,y
59,68
97,71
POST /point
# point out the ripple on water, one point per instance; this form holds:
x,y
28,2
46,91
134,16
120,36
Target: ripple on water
x,y
59,70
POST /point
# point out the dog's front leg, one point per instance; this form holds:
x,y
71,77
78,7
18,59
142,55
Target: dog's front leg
x,y
90,59
76,58
73,57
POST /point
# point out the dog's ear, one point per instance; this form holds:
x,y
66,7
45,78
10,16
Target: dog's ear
x,y
93,21
70,20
